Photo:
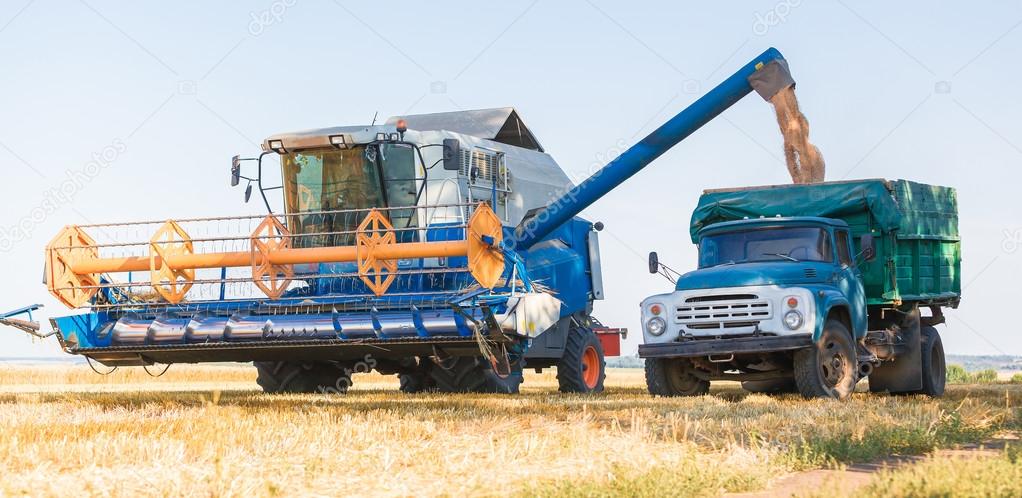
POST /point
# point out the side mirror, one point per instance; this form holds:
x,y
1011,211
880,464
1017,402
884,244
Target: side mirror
x,y
452,154
248,192
235,171
867,247
654,263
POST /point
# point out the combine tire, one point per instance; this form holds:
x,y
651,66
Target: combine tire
x,y
934,372
417,380
471,374
829,368
581,368
671,377
302,377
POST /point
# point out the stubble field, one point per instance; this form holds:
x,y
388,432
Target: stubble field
x,y
208,431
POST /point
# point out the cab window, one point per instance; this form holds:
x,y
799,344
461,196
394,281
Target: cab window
x,y
844,255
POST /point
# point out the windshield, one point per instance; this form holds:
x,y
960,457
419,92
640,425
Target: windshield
x,y
357,178
767,244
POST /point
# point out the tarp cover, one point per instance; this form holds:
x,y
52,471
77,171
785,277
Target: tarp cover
x,y
913,209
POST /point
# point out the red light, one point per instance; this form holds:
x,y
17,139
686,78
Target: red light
x,y
402,126
655,309
792,302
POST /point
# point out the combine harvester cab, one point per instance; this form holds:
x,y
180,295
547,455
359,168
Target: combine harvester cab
x,y
390,255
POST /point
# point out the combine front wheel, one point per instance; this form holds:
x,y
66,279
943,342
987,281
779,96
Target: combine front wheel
x,y
471,374
581,368
303,377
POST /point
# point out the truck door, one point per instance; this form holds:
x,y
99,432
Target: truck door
x,y
850,282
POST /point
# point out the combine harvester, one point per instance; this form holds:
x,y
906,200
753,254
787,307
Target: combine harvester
x,y
454,278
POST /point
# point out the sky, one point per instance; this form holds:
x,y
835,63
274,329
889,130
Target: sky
x,y
116,111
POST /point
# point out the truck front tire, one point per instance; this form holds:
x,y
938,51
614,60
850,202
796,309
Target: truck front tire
x,y
934,369
672,377
829,368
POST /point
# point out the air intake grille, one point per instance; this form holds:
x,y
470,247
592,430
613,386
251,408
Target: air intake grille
x,y
810,272
723,312
483,167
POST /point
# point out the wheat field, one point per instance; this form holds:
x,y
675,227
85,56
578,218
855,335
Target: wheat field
x,y
208,431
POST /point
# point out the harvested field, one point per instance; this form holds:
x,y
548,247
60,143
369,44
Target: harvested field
x,y
208,431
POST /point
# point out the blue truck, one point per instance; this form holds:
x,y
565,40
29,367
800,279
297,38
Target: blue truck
x,y
809,289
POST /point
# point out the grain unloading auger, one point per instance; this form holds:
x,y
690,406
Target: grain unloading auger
x,y
454,279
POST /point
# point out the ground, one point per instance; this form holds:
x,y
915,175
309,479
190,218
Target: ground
x,y
209,431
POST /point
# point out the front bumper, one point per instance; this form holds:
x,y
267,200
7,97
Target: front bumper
x,y
713,347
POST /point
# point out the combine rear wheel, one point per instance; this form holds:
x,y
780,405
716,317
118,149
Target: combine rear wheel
x,y
671,377
828,368
581,368
471,374
303,377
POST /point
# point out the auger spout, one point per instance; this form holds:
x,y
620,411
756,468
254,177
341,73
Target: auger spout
x,y
767,74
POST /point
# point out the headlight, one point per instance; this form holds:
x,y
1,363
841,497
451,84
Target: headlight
x,y
793,319
656,325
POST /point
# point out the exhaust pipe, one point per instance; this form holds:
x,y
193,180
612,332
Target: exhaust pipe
x,y
865,369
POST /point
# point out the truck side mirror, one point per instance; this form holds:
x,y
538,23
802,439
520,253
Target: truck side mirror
x,y
654,263
235,171
248,192
452,154
867,247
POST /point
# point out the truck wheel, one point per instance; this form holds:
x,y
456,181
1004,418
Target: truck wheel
x,y
472,374
671,377
773,386
581,368
302,377
829,368
934,371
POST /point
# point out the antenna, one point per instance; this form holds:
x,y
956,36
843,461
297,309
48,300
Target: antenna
x,y
377,113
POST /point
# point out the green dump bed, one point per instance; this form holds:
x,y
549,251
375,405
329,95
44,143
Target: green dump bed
x,y
915,227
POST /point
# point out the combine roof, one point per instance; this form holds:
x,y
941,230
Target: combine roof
x,y
500,125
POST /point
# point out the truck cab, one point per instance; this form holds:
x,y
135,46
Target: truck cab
x,y
770,277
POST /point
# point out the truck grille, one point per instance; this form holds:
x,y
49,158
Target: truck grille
x,y
723,312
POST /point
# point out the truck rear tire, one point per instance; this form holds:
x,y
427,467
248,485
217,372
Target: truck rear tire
x,y
582,368
303,377
934,368
472,374
671,377
829,368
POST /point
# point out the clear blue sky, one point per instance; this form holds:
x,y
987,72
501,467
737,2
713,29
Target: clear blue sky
x,y
170,91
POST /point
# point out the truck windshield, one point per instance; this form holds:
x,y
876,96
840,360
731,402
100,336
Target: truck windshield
x,y
357,178
768,244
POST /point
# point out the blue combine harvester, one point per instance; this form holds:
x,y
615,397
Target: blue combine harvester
x,y
443,248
